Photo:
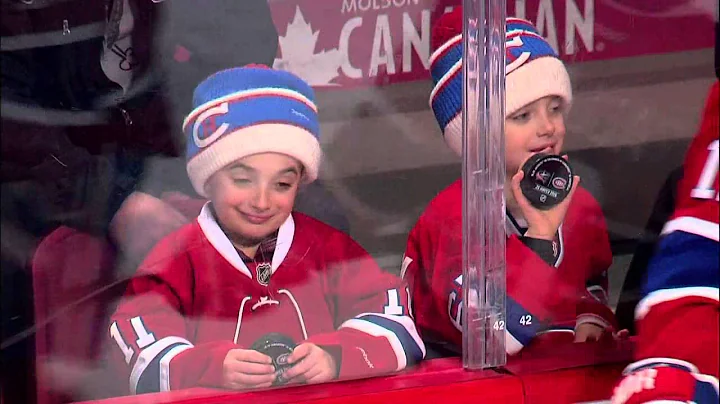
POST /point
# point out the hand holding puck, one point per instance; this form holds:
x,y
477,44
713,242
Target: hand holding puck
x,y
278,347
547,180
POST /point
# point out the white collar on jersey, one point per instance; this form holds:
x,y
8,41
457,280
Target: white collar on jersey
x,y
222,244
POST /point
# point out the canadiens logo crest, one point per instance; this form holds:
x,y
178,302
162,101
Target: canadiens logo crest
x,y
523,46
262,273
205,130
283,359
559,183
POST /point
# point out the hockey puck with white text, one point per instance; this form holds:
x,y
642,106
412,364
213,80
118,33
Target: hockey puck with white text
x,y
278,347
547,180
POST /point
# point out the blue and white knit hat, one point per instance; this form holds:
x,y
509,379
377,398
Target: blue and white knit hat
x,y
532,67
249,110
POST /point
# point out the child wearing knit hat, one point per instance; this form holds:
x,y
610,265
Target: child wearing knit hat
x,y
556,259
252,294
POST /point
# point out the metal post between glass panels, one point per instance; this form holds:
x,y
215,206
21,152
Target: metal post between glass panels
x,y
483,181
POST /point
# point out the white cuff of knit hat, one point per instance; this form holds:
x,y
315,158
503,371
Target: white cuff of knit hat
x,y
280,138
540,78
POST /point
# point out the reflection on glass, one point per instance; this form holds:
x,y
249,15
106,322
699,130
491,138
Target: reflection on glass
x,y
252,295
94,172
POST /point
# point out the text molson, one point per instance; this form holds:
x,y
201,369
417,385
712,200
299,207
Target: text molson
x,y
418,40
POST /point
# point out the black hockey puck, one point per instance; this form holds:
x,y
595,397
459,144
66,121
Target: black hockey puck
x,y
278,347
547,180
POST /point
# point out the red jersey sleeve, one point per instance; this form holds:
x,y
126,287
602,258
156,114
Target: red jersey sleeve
x,y
375,331
537,294
594,306
417,270
678,317
433,268
150,327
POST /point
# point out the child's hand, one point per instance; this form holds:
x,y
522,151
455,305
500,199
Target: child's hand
x,y
542,224
247,369
591,332
312,364
588,332
621,335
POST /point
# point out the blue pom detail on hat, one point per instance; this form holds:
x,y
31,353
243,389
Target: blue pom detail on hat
x,y
528,57
249,110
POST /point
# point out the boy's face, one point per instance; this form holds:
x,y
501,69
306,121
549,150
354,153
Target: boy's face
x,y
253,196
538,127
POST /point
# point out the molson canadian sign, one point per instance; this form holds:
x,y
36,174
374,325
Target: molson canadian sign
x,y
350,43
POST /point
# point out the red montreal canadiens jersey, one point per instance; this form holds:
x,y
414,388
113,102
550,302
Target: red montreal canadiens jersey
x,y
193,299
678,317
542,299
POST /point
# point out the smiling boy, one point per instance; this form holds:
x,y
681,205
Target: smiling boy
x,y
250,266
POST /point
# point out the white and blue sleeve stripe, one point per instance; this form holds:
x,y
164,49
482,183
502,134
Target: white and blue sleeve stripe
x,y
522,326
706,389
683,260
686,265
398,330
151,372
659,362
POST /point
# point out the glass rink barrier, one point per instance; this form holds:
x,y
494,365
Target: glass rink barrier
x,y
483,71
358,201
